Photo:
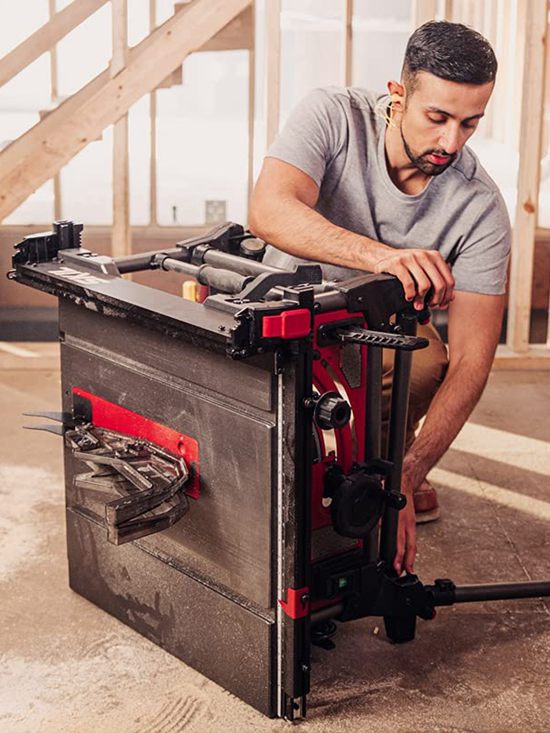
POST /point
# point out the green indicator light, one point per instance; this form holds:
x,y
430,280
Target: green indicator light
x,y
342,582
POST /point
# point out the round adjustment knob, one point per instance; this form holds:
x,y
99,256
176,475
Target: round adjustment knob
x,y
331,411
252,248
357,505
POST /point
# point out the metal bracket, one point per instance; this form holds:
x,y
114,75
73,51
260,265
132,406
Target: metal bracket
x,y
261,285
149,479
45,246
225,237
91,261
63,418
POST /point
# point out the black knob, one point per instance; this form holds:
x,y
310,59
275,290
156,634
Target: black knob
x,y
331,411
396,500
252,248
357,504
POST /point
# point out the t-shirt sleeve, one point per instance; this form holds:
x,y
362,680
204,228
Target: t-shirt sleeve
x,y
481,265
312,135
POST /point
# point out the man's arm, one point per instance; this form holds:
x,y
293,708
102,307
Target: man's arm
x,y
474,327
282,213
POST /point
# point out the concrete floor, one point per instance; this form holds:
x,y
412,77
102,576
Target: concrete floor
x,y
68,667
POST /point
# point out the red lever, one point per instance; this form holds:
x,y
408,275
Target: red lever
x,y
297,602
287,325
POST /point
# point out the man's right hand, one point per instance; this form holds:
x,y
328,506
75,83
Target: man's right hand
x,y
418,270
282,211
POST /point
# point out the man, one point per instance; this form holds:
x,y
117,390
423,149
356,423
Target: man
x,y
385,184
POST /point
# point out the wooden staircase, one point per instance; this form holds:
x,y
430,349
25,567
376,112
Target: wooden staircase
x,y
63,130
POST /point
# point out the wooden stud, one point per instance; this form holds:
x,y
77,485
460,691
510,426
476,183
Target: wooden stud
x,y
273,68
54,96
121,235
423,11
57,201
54,89
523,240
546,125
478,14
348,43
119,26
46,37
153,216
251,102
515,83
505,103
38,154
486,127
448,10
545,140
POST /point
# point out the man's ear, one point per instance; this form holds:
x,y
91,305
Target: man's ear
x,y
397,94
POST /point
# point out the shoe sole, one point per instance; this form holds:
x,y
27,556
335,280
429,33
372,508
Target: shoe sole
x,y
431,516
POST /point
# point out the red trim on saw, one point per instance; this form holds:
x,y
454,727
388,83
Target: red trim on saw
x,y
113,417
297,602
287,325
349,439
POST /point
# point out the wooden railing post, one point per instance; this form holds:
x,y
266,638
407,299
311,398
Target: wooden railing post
x,y
121,236
251,103
54,96
423,11
153,215
523,240
273,68
348,43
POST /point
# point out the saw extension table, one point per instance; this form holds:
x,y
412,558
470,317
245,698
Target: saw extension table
x,y
227,495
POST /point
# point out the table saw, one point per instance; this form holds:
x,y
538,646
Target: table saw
x,y
227,494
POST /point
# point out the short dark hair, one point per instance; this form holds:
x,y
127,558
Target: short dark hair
x,y
451,51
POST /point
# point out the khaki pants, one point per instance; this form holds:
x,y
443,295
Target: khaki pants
x,y
428,370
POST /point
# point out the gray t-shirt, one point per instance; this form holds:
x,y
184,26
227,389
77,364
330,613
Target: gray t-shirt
x,y
336,136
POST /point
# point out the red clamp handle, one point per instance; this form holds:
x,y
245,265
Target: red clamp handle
x,y
297,602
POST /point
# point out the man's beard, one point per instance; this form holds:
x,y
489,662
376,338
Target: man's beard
x,y
421,162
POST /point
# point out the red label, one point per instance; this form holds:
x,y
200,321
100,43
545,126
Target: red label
x,y
113,417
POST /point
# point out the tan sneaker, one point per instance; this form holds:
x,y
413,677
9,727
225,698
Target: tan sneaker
x,y
426,506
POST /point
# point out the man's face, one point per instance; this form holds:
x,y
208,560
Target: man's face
x,y
438,118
